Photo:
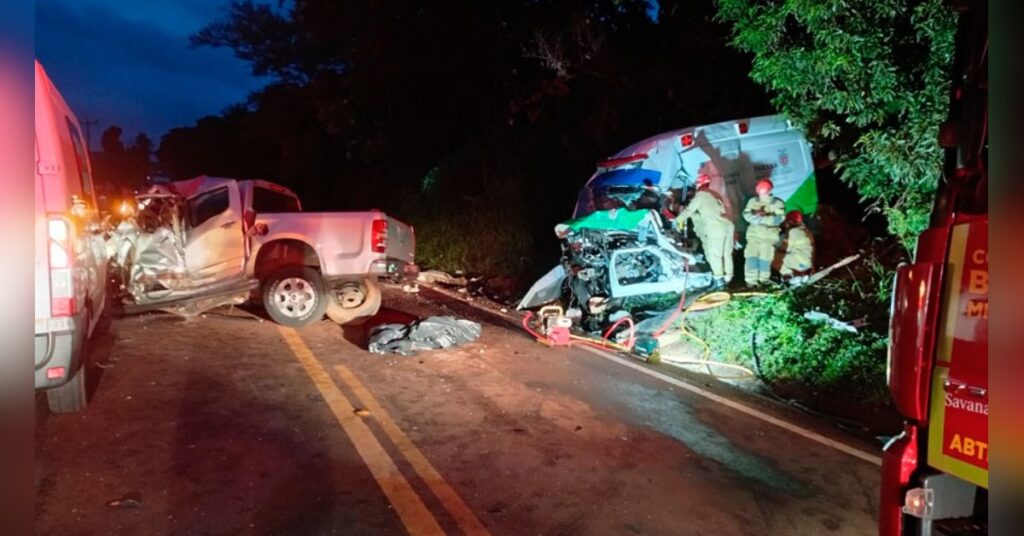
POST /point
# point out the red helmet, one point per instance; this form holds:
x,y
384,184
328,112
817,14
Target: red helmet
x,y
703,180
763,186
794,217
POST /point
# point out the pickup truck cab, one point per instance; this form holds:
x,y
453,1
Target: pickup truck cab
x,y
210,241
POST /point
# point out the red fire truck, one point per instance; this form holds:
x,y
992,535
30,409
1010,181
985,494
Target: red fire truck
x,y
935,473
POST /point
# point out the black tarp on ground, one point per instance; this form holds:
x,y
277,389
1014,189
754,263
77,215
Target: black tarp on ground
x,y
427,334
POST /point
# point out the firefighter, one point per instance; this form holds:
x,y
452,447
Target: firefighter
x,y
764,214
797,261
714,229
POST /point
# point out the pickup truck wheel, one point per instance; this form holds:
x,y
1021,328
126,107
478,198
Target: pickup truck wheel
x,y
294,296
342,307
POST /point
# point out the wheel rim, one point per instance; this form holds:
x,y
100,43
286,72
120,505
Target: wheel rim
x,y
351,296
294,297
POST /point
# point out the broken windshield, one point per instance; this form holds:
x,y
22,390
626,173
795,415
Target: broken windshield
x,y
619,188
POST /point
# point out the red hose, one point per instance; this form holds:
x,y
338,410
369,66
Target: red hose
x,y
632,331
541,338
632,327
526,326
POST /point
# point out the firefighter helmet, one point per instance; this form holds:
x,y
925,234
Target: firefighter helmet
x,y
764,186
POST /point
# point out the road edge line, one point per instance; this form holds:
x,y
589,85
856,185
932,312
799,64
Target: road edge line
x,y
451,500
743,408
412,512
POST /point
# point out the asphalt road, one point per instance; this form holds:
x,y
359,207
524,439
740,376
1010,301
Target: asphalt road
x,y
228,424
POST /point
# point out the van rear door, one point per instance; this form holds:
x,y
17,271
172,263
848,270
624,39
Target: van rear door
x,y
41,258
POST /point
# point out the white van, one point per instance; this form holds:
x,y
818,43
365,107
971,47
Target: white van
x,y
70,258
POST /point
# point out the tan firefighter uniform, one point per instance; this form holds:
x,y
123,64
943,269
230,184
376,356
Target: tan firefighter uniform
x,y
715,231
799,252
764,219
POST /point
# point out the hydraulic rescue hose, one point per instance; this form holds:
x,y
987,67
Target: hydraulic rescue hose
x,y
702,303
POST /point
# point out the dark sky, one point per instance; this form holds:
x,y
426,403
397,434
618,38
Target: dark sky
x,y
130,63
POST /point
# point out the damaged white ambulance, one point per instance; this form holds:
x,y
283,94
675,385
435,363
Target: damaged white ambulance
x,y
621,248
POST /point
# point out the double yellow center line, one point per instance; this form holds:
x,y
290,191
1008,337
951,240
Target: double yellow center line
x,y
413,513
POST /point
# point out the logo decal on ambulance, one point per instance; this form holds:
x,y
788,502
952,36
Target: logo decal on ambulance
x,y
783,158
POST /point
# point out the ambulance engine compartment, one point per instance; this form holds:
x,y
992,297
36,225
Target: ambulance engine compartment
x,y
608,270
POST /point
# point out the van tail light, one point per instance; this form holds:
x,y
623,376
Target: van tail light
x,y
910,339
62,292
379,236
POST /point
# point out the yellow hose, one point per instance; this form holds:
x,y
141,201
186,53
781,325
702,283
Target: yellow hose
x,y
703,303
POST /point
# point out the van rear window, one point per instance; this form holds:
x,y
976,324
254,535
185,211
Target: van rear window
x,y
266,201
81,160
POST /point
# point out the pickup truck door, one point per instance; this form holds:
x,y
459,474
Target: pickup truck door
x,y
214,242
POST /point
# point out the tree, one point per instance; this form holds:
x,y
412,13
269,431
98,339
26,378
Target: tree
x,y
868,81
110,141
118,168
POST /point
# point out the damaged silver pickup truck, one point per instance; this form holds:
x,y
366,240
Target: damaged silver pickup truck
x,y
205,242
622,251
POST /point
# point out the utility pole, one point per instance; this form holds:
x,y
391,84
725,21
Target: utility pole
x,y
86,123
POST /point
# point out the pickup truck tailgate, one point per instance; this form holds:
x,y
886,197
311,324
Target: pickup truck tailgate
x,y
401,241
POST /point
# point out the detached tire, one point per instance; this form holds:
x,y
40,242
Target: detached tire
x,y
342,312
294,296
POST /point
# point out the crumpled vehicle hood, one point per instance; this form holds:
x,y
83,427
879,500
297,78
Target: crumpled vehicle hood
x,y
611,255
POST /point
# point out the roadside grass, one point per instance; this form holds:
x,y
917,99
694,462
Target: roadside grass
x,y
472,240
812,360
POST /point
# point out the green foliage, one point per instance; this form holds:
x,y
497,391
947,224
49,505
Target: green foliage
x,y
794,350
490,240
467,223
868,80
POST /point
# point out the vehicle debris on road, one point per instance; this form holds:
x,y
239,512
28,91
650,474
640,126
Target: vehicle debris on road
x,y
131,500
818,316
436,276
433,333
